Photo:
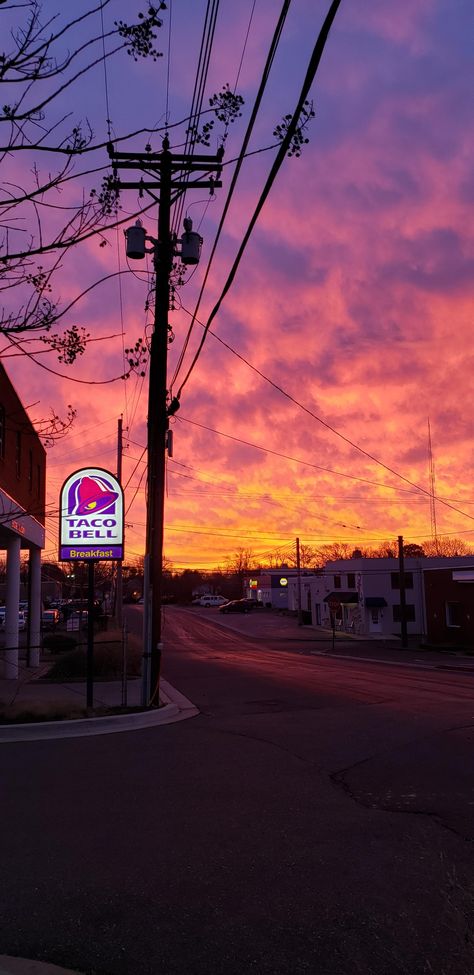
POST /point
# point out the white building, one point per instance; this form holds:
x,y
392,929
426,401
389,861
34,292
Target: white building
x,y
364,594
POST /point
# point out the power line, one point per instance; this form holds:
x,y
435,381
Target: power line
x,y
263,83
245,45
332,429
280,156
295,460
207,39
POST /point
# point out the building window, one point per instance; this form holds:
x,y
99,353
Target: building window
x,y
2,432
351,580
337,582
409,613
18,453
38,480
395,576
453,614
30,470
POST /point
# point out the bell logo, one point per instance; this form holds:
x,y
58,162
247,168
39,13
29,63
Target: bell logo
x,y
90,495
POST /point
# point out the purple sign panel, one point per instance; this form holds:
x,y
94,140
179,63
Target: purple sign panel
x,y
91,517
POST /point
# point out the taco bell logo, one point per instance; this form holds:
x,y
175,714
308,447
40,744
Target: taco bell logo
x,y
89,495
91,525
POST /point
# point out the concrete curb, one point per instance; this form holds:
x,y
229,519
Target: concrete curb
x,y
174,707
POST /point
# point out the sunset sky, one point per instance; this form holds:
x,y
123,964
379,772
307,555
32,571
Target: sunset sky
x,y
350,321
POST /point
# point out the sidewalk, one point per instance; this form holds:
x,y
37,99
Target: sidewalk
x,y
387,650
317,640
390,649
22,966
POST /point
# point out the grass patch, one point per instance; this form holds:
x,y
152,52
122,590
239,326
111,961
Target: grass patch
x,y
33,712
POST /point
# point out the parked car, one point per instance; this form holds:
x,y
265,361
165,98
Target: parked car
x,y
77,619
50,619
209,600
21,619
235,606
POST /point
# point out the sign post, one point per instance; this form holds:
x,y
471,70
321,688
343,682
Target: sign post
x,y
90,637
90,530
334,605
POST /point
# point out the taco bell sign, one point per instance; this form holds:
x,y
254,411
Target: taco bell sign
x,y
91,517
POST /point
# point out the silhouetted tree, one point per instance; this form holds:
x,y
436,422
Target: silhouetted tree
x,y
41,61
413,551
446,547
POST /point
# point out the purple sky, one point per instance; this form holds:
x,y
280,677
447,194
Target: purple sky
x,y
354,294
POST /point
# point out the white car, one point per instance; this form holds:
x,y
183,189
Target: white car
x,y
209,600
21,619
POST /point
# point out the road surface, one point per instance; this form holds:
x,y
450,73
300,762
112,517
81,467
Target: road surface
x,y
316,817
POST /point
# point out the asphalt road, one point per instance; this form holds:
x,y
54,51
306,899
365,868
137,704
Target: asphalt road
x,y
316,817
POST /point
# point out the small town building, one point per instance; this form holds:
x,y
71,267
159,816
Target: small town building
x,y
270,587
22,522
362,596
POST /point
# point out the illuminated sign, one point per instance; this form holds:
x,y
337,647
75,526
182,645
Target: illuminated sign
x,y
91,517
283,582
253,583
18,527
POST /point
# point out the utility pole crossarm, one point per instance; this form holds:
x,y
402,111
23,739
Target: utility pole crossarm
x,y
199,185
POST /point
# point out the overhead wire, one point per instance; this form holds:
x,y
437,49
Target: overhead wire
x,y
240,159
334,430
106,84
207,38
278,161
239,69
296,460
168,66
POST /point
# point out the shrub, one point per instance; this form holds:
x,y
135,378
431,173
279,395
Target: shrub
x,y
107,662
59,642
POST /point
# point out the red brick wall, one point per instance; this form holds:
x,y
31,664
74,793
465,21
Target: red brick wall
x,y
21,444
439,590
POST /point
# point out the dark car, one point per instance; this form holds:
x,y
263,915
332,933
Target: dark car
x,y
251,603
50,619
235,606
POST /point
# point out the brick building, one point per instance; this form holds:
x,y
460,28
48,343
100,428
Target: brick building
x,y
449,596
22,519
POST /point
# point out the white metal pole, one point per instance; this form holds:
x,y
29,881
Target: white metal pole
x,y
12,603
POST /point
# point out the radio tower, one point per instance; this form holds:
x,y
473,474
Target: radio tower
x,y
434,531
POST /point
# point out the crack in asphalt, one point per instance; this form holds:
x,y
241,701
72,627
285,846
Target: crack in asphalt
x,y
365,804
340,783
336,779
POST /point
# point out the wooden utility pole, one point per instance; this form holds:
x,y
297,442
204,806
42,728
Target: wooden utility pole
x,y
298,583
403,601
119,574
173,174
